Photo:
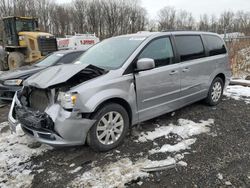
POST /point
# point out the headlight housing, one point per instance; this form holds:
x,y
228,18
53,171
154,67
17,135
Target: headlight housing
x,y
67,100
14,82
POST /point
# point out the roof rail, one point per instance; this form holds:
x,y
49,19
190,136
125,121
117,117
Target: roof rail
x,y
171,30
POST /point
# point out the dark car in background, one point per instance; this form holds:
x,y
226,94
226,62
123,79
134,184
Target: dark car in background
x,y
11,81
2,57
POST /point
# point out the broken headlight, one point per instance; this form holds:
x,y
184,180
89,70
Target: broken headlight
x,y
15,82
67,100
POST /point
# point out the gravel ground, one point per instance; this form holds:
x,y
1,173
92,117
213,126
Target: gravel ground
x,y
220,158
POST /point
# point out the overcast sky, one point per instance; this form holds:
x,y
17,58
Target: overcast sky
x,y
197,7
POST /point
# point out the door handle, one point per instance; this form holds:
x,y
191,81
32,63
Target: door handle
x,y
186,70
173,72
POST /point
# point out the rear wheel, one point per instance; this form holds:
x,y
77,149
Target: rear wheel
x,y
110,128
215,92
15,60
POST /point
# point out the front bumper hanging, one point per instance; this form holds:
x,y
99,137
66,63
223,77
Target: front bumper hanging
x,y
55,127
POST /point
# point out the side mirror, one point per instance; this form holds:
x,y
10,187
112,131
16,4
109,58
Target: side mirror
x,y
145,64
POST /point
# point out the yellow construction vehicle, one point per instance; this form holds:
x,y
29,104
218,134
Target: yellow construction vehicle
x,y
24,43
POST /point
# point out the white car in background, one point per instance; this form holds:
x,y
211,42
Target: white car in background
x,y
77,42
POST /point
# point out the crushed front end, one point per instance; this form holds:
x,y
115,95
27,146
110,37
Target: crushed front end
x,y
42,117
46,108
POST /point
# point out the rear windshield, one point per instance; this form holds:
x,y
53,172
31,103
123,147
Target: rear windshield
x,y
111,53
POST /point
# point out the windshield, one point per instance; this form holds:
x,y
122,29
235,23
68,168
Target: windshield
x,y
25,25
111,53
49,60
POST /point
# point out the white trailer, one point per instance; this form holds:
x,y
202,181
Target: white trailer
x,y
77,41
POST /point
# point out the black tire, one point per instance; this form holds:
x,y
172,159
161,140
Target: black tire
x,y
214,101
93,140
15,60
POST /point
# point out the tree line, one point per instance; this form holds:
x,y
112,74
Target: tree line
x,y
228,21
108,18
105,18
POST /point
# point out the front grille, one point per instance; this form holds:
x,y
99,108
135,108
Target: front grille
x,y
35,120
39,100
47,45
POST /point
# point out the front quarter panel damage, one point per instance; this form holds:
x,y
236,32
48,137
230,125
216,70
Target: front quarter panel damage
x,y
69,125
93,94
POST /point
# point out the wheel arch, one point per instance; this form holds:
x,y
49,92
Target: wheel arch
x,y
222,76
119,101
216,74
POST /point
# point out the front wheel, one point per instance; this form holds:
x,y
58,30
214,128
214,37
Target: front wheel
x,y
215,92
110,128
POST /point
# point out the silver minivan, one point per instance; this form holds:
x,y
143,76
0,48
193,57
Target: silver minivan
x,y
118,83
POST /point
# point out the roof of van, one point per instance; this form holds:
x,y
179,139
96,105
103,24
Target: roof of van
x,y
190,32
176,32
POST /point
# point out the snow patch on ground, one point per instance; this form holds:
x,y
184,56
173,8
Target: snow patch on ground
x,y
220,176
183,145
238,92
15,156
112,175
117,174
185,129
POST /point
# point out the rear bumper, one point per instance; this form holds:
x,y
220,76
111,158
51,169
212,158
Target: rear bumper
x,y
7,92
69,128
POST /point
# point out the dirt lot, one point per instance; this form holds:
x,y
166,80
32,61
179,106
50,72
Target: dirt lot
x,y
219,157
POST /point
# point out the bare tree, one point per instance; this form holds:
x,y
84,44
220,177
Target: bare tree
x,y
167,18
79,13
226,22
203,24
185,20
43,9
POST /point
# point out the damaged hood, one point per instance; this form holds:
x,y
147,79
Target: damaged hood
x,y
20,72
58,74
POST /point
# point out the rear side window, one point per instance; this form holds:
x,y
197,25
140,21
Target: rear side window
x,y
160,50
215,45
70,58
190,47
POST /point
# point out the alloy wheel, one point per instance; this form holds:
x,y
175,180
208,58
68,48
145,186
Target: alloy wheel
x,y
110,128
216,91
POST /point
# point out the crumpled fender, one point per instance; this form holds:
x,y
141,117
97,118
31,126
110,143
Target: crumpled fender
x,y
91,104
